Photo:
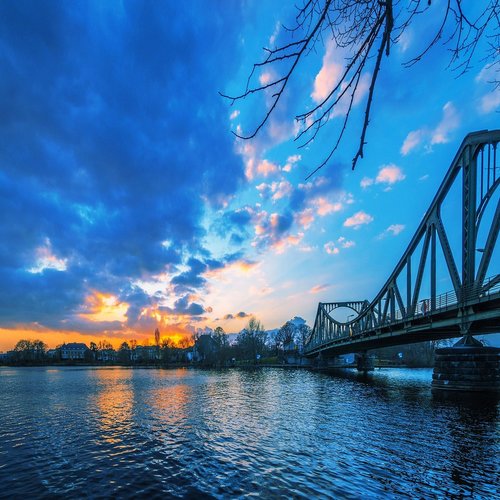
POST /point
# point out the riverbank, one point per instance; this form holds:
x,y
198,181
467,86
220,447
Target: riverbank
x,y
201,366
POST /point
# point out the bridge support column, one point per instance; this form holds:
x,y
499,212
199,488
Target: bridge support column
x,y
467,366
364,363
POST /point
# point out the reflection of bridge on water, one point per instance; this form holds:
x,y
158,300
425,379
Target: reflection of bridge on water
x,y
401,313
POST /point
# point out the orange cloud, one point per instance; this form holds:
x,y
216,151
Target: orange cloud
x,y
104,307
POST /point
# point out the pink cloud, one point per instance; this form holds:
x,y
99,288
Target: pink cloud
x,y
291,240
389,174
319,288
345,243
324,207
413,139
331,248
266,168
291,160
281,189
265,78
328,75
358,219
305,218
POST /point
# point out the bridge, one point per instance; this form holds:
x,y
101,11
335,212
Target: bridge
x,y
409,308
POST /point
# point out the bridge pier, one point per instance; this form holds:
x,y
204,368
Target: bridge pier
x,y
467,366
364,362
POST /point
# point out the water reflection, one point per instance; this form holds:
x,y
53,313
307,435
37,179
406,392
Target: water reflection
x,y
128,433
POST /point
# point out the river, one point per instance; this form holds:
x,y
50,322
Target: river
x,y
125,433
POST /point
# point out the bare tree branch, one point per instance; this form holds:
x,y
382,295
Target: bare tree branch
x,y
366,29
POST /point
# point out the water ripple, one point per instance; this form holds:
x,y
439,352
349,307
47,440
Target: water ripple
x,y
121,433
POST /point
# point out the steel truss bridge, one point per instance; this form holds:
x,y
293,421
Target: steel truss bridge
x,y
404,311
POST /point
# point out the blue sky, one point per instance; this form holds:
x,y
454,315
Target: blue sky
x,y
127,203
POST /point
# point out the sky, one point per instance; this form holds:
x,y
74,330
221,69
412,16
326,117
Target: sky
x,y
127,203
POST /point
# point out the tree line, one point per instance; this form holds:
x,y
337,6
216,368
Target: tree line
x,y
253,344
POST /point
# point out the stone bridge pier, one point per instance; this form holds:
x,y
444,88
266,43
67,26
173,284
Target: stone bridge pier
x,y
467,366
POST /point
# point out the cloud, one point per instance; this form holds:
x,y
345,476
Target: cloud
x,y
282,244
405,40
366,182
266,168
272,230
440,134
319,288
486,79
235,224
345,243
333,247
45,259
290,162
389,174
413,139
488,74
275,191
324,207
104,158
305,218
183,306
358,219
490,101
392,230
328,76
449,122
192,278
292,206
239,315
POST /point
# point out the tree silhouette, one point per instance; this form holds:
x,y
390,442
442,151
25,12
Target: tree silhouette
x,y
285,335
251,341
365,29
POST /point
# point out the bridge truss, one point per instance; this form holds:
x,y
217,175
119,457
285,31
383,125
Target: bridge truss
x,y
403,312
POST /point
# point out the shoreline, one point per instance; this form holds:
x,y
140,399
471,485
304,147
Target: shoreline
x,y
202,367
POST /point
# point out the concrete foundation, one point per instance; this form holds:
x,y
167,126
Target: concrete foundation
x,y
467,366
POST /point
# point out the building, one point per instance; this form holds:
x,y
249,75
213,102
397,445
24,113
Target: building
x,y
74,351
107,355
145,353
4,357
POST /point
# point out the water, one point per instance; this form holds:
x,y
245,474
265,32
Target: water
x,y
128,433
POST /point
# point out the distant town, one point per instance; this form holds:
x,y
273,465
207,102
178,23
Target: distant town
x,y
207,347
